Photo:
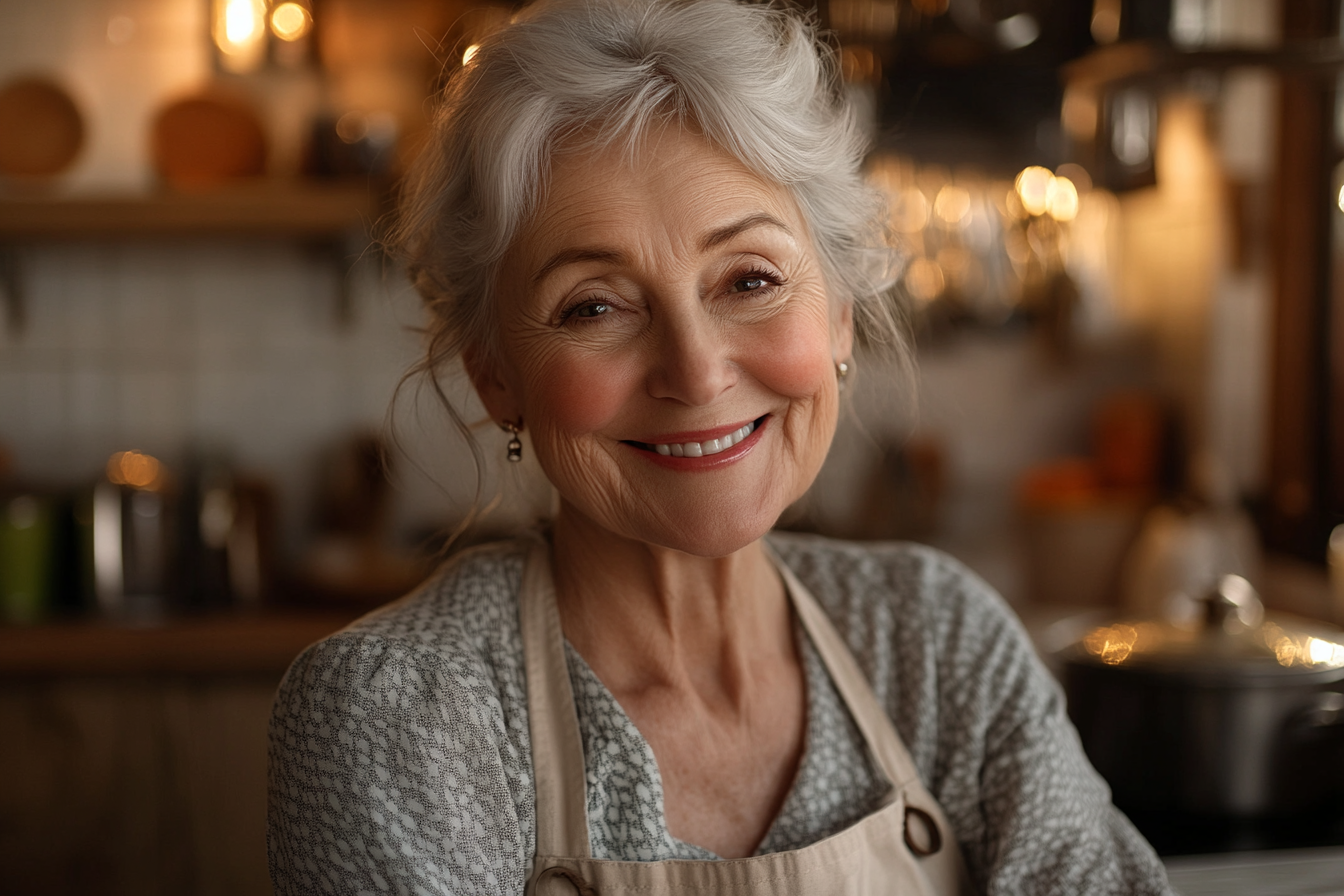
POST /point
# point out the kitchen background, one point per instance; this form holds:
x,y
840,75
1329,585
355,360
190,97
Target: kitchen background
x,y
1119,219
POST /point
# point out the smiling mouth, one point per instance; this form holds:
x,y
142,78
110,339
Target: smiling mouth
x,y
702,449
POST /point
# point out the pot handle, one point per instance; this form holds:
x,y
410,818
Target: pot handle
x,y
1326,710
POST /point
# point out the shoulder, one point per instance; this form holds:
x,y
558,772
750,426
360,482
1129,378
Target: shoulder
x,y
900,588
944,653
464,604
465,613
451,647
376,729
895,571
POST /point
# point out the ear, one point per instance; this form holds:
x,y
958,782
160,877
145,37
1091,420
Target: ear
x,y
483,368
842,334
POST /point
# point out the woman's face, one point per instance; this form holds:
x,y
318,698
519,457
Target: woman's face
x,y
653,305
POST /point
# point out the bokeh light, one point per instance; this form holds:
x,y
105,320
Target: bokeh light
x,y
291,21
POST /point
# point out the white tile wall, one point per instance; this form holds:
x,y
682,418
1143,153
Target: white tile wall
x,y
236,346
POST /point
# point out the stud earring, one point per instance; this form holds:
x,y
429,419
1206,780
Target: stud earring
x,y
515,447
842,373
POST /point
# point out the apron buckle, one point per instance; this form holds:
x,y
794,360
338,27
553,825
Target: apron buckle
x,y
925,841
573,877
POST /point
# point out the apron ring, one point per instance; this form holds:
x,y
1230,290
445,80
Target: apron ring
x,y
932,839
573,877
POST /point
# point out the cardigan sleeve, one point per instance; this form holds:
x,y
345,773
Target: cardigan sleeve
x,y
982,718
386,776
1033,815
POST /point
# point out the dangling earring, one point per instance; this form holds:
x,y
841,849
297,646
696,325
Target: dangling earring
x,y
842,373
515,447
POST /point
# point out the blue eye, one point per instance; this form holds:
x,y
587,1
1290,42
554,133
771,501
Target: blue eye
x,y
592,309
749,283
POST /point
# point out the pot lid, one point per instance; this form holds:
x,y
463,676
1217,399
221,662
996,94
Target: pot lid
x,y
1234,639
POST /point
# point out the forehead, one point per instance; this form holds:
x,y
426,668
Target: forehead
x,y
671,184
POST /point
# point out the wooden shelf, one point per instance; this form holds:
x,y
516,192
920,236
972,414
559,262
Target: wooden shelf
x,y
279,208
214,645
1141,61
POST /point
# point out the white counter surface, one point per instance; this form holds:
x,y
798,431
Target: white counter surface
x,y
1280,872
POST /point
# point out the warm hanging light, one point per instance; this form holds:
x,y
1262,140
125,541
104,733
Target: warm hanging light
x,y
1061,199
924,280
240,33
1032,186
952,205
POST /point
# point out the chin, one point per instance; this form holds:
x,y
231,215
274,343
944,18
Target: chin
x,y
712,546
712,535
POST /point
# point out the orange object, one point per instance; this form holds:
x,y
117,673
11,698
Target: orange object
x,y
206,140
1066,482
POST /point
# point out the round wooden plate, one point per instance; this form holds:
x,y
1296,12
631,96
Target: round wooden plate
x,y
41,130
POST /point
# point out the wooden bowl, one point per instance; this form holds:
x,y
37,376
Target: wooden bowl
x,y
208,139
41,130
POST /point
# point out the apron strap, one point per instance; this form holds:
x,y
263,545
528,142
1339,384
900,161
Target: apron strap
x,y
883,741
557,747
939,858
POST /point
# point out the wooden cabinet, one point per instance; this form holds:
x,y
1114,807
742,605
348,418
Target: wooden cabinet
x,y
134,760
134,785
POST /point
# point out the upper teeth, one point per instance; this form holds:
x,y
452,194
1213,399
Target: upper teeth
x,y
704,449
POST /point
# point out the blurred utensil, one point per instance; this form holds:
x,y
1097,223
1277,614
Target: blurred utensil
x,y
27,538
131,537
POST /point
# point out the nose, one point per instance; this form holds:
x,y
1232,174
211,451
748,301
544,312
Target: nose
x,y
689,360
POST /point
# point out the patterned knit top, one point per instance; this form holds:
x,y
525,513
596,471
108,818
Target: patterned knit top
x,y
401,759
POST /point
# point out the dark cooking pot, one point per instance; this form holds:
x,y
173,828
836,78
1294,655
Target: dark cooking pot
x,y
1237,715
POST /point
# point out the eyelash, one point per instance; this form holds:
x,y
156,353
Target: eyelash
x,y
572,312
770,281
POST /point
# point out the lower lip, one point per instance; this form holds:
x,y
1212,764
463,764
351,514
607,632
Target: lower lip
x,y
703,464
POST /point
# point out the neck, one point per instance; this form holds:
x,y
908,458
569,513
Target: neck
x,y
645,616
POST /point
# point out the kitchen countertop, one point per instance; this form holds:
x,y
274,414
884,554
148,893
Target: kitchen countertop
x,y
1289,872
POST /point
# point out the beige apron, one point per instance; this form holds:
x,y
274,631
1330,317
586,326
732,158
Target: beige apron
x,y
905,847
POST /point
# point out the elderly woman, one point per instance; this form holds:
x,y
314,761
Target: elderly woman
x,y
640,226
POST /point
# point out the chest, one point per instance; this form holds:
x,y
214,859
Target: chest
x,y
650,789
725,767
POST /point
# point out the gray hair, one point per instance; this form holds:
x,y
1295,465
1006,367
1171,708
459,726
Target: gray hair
x,y
753,79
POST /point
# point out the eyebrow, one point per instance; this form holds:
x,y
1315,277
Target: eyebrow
x,y
724,234
716,237
573,256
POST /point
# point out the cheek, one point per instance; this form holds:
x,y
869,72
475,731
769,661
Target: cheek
x,y
793,357
578,394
